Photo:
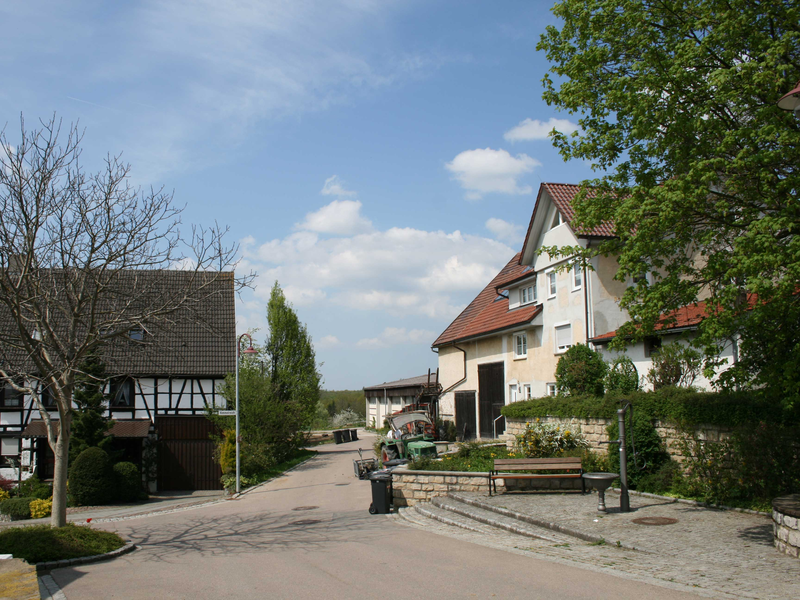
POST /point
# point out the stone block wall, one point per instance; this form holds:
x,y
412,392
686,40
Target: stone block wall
x,y
786,524
594,431
411,487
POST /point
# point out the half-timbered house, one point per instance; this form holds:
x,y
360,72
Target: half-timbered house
x,y
165,377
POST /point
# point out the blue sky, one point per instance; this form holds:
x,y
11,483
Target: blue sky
x,y
380,159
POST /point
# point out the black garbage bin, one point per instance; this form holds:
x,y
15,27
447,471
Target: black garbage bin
x,y
337,437
381,483
354,435
345,435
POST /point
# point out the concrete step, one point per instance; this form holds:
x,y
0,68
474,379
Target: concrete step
x,y
488,518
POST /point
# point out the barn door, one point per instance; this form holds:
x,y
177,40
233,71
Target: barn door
x,y
465,415
186,454
491,382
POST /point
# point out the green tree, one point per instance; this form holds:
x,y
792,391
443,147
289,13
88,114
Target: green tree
x,y
278,391
677,109
580,370
89,423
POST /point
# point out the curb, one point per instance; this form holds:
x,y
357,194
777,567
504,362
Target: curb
x,y
587,537
696,503
45,567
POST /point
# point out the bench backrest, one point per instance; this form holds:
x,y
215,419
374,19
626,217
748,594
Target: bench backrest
x,y
537,464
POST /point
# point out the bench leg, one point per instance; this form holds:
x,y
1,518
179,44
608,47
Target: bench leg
x,y
583,484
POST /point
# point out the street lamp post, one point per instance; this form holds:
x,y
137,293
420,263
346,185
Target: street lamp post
x,y
791,101
248,350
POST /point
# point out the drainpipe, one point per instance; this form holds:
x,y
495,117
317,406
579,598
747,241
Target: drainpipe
x,y
586,302
463,379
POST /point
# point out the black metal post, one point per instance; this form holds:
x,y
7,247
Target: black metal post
x,y
624,499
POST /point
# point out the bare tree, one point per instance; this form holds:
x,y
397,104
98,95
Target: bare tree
x,y
84,260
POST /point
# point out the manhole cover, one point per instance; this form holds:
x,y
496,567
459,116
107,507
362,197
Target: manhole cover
x,y
655,521
306,522
305,508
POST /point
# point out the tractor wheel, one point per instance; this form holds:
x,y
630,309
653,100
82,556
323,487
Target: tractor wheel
x,y
388,453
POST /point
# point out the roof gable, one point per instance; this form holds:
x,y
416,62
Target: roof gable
x,y
489,312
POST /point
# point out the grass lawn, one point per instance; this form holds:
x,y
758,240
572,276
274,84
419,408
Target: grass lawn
x,y
42,543
469,458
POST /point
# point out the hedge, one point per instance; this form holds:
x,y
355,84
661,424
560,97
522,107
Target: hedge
x,y
679,405
17,508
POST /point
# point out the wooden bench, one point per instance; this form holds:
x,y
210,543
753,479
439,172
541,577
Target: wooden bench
x,y
504,469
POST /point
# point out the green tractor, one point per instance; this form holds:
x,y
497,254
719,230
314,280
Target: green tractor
x,y
411,435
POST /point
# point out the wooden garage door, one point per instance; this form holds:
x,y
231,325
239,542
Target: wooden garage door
x,y
186,454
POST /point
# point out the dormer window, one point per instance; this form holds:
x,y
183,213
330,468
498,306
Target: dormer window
x,y
136,334
527,294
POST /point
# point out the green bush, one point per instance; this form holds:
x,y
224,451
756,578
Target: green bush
x,y
42,543
32,487
128,482
649,455
674,365
580,370
679,405
447,430
91,478
622,376
17,508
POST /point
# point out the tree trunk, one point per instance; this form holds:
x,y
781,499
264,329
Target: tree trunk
x,y
58,516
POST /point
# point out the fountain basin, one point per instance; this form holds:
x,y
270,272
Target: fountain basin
x,y
601,482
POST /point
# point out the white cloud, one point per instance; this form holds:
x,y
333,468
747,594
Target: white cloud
x,y
395,336
505,231
485,170
533,129
328,341
335,187
340,217
399,271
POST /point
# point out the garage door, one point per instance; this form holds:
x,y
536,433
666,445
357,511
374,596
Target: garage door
x,y
186,454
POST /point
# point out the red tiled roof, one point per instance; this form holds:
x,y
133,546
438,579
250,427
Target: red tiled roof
x,y
488,313
563,194
686,316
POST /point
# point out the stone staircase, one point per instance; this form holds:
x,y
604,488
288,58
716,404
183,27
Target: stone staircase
x,y
459,511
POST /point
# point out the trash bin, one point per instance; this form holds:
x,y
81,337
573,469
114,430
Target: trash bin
x,y
354,435
381,483
337,437
345,435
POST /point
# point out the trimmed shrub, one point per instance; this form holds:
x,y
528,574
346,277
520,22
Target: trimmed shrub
x,y
32,487
17,508
41,508
580,370
622,376
128,482
91,478
674,365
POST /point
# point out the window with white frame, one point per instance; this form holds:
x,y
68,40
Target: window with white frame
x,y
520,345
527,294
512,393
551,389
526,391
563,337
577,276
551,284
644,276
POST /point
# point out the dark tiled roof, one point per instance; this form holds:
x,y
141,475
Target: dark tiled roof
x,y
198,340
410,382
489,312
136,428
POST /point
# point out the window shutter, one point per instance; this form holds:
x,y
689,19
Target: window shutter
x,y
564,336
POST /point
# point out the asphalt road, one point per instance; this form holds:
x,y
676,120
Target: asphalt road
x,y
261,545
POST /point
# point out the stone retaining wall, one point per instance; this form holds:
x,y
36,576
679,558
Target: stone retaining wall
x,y
786,524
411,487
594,431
